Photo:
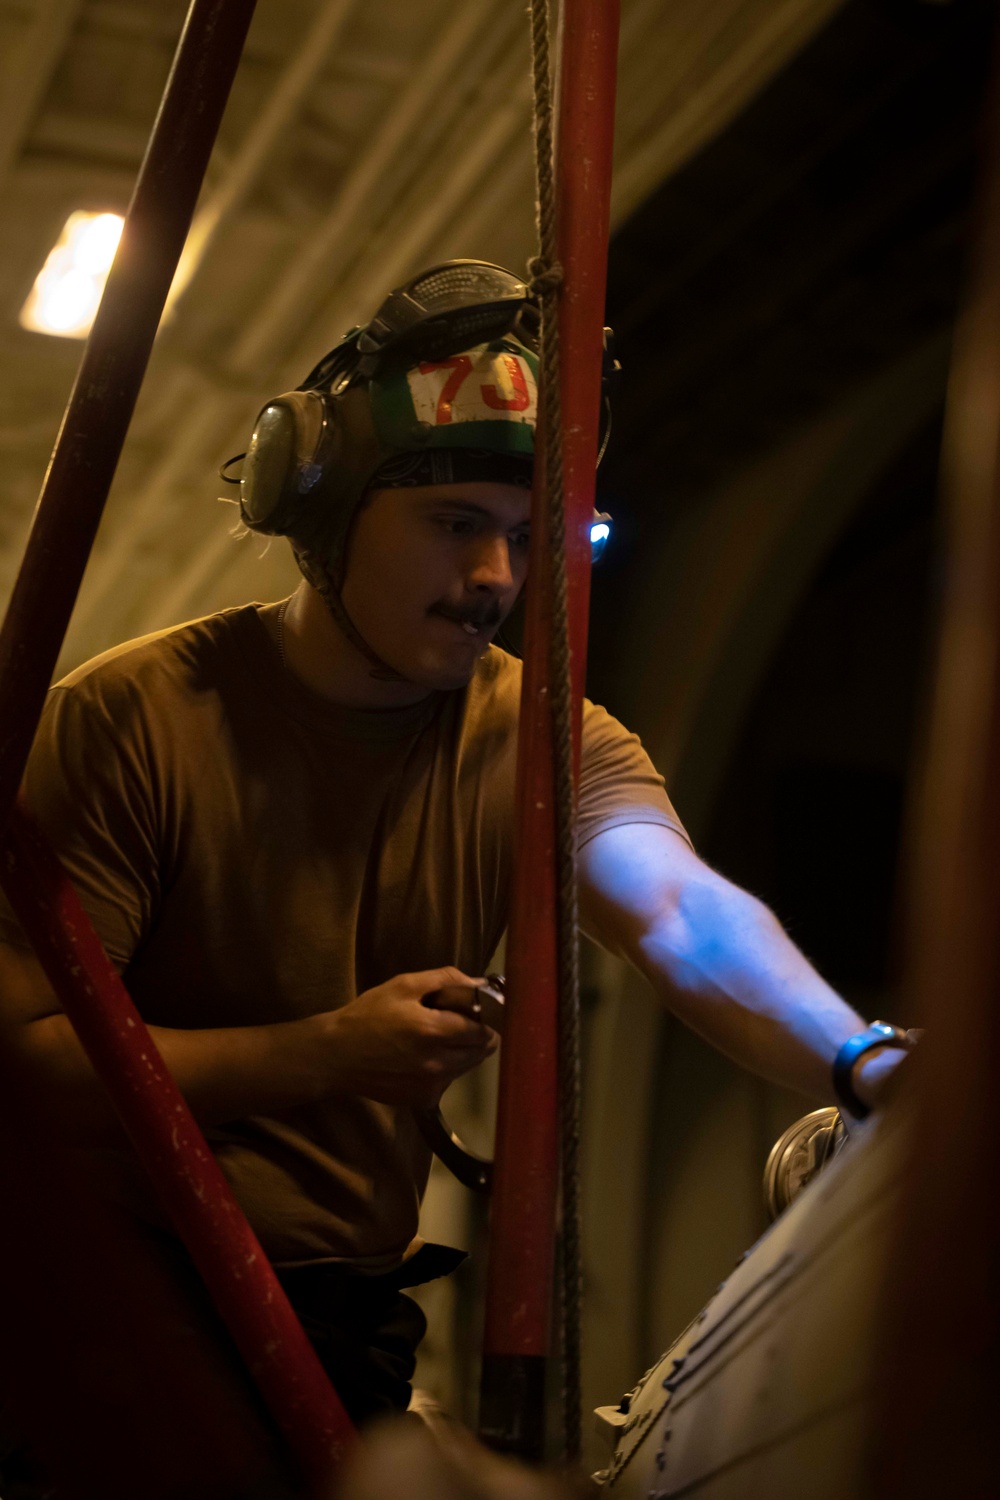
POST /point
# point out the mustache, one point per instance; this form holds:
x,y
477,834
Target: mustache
x,y
483,616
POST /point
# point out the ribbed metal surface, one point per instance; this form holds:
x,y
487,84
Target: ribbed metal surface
x,y
763,1395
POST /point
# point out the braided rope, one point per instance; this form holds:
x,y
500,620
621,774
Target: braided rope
x,y
546,279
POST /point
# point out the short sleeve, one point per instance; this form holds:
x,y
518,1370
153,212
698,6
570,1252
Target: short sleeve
x,y
618,782
87,785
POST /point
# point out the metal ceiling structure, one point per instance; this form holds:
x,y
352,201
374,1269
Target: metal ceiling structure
x,y
361,142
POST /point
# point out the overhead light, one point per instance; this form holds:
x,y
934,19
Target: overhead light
x,y
68,288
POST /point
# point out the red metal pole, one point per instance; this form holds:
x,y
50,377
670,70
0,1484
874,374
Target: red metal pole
x,y
111,371
523,1215
83,464
248,1295
113,1376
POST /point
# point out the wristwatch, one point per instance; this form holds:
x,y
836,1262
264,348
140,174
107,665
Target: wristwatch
x,y
878,1034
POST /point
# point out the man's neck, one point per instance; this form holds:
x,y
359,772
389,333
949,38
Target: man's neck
x,y
324,660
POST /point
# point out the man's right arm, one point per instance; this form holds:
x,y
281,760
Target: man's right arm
x,y
384,1045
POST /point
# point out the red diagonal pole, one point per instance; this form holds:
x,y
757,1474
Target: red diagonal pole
x,y
248,1296
114,362
523,1217
113,1374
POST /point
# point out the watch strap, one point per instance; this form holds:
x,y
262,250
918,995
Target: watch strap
x,y
878,1034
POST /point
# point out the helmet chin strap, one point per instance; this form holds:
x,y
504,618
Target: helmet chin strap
x,y
316,572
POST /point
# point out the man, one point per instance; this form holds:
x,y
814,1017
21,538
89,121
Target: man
x,y
291,823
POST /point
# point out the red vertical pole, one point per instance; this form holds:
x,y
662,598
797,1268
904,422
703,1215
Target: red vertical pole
x,y
525,1182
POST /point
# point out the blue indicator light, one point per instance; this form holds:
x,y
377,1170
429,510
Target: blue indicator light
x,y
600,530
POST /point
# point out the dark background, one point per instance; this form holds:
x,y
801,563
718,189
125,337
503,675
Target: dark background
x,y
814,243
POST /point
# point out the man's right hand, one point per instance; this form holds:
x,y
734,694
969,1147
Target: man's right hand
x,y
387,1045
384,1045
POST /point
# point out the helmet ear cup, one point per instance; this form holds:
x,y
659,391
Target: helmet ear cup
x,y
284,463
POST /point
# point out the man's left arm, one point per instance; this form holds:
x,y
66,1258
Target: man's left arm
x,y
720,960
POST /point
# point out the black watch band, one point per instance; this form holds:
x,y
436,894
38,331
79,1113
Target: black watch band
x,y
878,1034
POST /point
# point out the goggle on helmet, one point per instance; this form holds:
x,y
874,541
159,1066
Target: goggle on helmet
x,y
446,369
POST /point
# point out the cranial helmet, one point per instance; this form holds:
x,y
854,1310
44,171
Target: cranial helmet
x,y
441,387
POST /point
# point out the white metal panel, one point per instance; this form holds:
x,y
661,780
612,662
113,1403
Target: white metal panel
x,y
764,1395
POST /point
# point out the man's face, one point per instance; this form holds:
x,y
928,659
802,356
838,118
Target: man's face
x,y
433,572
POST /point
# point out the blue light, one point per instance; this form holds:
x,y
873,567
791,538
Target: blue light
x,y
599,532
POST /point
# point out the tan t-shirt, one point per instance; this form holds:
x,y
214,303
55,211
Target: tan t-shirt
x,y
250,852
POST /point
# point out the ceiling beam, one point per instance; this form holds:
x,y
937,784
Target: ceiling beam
x,y
144,22
483,154
344,229
486,163
403,243
694,117
284,102
468,181
101,140
28,73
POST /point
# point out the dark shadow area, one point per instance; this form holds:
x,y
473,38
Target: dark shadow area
x,y
819,238
816,244
812,812
811,817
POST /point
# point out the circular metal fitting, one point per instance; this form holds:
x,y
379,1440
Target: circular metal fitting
x,y
801,1152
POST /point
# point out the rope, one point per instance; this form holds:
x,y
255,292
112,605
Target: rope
x,y
546,278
